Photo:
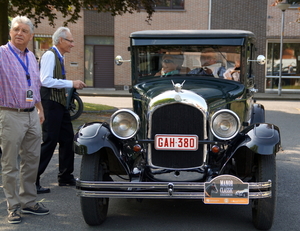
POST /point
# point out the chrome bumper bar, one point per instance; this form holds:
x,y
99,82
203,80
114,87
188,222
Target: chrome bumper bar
x,y
158,190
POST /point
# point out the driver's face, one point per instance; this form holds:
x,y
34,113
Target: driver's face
x,y
168,64
207,59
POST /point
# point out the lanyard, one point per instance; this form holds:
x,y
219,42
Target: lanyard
x,y
23,65
61,61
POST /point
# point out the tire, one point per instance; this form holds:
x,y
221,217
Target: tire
x,y
94,210
263,210
76,107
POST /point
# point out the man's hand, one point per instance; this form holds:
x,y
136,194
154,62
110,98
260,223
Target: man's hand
x,y
40,110
208,71
78,84
41,116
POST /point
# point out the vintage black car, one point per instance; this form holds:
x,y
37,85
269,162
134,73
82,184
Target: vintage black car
x,y
195,131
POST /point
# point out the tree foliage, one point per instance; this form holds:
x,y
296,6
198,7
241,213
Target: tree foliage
x,y
292,2
38,10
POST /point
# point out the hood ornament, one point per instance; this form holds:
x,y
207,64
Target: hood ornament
x,y
178,86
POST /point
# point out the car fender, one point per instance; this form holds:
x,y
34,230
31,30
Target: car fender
x,y
95,136
258,114
263,138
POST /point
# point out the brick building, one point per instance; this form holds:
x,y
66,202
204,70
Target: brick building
x,y
99,37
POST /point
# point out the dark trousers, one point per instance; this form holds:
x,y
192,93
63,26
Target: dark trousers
x,y
57,128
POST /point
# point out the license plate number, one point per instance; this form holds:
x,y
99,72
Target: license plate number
x,y
176,142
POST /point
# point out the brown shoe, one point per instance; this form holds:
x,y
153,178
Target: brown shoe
x,y
14,217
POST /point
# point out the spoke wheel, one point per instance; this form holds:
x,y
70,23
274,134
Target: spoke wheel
x,y
75,107
94,210
263,210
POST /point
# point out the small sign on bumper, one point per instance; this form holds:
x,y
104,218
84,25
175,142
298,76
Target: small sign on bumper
x,y
226,189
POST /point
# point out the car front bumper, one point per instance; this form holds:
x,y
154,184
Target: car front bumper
x,y
159,190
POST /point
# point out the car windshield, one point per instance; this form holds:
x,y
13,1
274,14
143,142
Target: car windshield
x,y
162,61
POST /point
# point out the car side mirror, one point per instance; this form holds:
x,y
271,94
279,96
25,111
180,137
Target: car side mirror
x,y
261,59
119,60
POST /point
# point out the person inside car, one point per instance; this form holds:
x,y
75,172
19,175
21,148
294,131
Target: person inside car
x,y
210,66
171,65
233,73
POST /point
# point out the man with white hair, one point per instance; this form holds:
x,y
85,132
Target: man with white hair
x,y
21,114
209,65
57,127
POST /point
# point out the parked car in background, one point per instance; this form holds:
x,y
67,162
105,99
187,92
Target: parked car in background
x,y
192,133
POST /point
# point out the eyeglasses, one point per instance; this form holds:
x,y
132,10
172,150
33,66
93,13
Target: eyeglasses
x,y
168,61
71,41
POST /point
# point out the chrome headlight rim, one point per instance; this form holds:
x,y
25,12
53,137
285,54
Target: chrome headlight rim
x,y
234,116
135,119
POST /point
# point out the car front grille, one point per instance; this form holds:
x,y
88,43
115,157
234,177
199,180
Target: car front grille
x,y
173,119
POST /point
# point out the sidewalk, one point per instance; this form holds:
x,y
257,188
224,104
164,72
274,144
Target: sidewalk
x,y
123,93
103,92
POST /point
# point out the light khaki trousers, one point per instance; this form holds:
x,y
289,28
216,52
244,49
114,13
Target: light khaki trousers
x,y
20,136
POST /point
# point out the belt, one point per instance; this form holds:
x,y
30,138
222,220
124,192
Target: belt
x,y
18,109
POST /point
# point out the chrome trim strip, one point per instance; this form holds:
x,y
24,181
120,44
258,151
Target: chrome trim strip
x,y
160,195
130,188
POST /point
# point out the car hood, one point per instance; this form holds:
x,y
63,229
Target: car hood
x,y
212,90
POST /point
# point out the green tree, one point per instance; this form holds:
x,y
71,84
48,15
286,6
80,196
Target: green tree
x,y
40,9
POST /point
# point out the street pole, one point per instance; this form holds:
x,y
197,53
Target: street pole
x,y
282,7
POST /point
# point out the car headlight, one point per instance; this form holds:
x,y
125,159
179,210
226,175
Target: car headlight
x,y
225,124
124,124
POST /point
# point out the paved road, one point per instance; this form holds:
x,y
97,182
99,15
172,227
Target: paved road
x,y
118,102
176,214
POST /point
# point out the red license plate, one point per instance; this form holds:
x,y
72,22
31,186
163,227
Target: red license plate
x,y
176,142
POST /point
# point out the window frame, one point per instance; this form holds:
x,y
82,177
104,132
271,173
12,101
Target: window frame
x,y
37,39
171,7
288,81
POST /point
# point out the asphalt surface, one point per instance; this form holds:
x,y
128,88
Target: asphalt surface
x,y
117,102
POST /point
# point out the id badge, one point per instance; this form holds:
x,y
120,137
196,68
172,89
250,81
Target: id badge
x,y
29,96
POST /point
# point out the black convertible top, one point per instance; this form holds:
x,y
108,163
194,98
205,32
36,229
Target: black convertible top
x,y
197,37
191,33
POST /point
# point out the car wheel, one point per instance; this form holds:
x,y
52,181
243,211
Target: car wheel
x,y
94,210
75,107
263,210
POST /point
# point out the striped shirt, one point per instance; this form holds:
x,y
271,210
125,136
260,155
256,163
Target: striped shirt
x,y
13,82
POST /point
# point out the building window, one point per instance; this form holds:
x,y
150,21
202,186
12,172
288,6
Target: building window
x,y
89,65
99,40
290,71
169,4
41,44
294,2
